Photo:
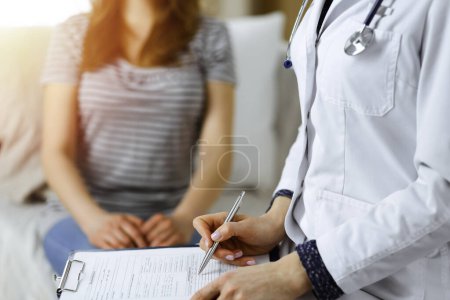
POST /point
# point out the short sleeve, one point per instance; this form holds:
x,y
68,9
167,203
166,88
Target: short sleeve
x,y
215,52
65,50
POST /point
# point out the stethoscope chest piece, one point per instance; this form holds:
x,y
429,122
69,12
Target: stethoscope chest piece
x,y
359,41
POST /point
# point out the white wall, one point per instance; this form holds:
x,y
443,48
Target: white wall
x,y
51,12
227,8
39,12
233,8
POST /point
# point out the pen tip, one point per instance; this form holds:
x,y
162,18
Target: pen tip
x,y
200,270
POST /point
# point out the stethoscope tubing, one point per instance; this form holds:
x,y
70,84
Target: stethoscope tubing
x,y
367,22
288,62
372,13
298,20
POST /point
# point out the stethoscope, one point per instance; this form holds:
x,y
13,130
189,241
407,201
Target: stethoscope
x,y
356,44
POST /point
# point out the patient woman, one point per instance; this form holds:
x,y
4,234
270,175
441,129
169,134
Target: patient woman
x,y
129,89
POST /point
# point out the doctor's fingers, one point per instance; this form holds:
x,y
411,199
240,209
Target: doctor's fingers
x,y
224,288
229,230
224,248
234,257
207,223
246,261
211,290
231,256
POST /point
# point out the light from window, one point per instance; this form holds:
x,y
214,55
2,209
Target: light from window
x,y
22,13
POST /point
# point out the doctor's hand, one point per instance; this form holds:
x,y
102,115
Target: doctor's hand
x,y
115,231
164,231
285,279
239,240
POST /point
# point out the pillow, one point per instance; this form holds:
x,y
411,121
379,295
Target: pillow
x,y
256,45
22,52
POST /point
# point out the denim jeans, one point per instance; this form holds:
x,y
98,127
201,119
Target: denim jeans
x,y
61,240
66,237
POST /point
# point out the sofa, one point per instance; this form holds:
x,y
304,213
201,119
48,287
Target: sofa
x,y
267,117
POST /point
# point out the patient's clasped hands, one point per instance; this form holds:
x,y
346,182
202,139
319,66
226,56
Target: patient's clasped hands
x,y
120,231
163,231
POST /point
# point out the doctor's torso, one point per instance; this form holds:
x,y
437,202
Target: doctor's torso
x,y
358,139
359,112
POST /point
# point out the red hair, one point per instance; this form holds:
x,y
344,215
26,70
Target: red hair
x,y
176,23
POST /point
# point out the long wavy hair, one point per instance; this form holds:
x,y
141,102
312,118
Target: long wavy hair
x,y
176,23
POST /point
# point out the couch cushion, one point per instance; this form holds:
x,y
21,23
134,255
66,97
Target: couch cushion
x,y
22,52
25,273
256,42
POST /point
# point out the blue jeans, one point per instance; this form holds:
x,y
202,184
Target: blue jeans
x,y
66,237
62,239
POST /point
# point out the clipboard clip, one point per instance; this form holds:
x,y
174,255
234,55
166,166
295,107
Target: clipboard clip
x,y
70,279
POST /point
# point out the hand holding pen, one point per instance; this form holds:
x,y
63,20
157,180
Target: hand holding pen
x,y
241,239
209,254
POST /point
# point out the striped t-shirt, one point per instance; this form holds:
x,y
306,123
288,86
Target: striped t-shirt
x,y
137,125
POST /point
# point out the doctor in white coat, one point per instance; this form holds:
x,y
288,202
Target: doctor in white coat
x,y
365,192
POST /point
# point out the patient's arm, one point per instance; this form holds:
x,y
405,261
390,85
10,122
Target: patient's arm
x,y
104,230
215,168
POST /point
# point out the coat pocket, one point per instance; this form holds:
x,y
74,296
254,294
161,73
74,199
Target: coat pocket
x,y
332,210
364,83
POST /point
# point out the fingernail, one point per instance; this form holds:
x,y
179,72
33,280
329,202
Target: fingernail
x,y
207,244
238,254
229,257
251,263
216,236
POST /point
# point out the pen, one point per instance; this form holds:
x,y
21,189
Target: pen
x,y
229,217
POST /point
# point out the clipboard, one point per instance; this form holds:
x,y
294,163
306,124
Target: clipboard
x,y
70,279
153,271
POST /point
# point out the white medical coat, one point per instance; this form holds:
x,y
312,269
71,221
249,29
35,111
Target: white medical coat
x,y
370,168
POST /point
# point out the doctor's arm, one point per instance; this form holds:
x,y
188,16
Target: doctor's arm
x,y
289,176
414,222
287,183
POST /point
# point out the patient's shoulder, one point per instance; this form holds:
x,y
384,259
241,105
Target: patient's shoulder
x,y
65,51
210,27
212,47
211,36
72,32
75,25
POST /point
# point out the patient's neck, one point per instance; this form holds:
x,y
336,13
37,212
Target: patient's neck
x,y
138,16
